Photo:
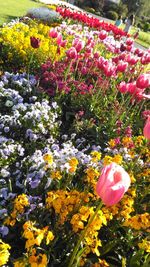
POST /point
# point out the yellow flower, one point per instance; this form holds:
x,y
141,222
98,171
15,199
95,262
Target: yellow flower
x,y
145,245
96,156
56,175
139,140
112,143
4,253
38,261
107,160
126,141
73,164
139,221
49,237
117,159
48,158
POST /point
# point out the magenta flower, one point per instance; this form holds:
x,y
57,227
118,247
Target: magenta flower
x,y
72,53
143,81
112,184
53,33
146,130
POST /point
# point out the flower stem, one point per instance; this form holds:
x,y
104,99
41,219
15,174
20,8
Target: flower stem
x,y
30,61
75,251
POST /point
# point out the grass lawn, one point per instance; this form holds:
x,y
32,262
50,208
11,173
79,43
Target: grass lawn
x,y
11,9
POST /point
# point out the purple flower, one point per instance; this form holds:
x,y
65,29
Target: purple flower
x,y
4,230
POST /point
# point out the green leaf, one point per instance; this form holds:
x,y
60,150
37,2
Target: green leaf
x,y
136,258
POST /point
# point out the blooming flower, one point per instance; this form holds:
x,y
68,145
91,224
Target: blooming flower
x,y
146,130
113,182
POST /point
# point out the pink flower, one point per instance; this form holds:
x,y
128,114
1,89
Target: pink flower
x,y
109,69
72,53
132,60
59,39
123,87
143,81
53,33
131,88
122,66
146,130
112,184
146,114
78,44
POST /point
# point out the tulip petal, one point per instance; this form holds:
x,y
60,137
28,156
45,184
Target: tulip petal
x,y
113,195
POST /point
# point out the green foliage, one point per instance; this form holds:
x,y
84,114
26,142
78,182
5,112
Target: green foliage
x,y
146,26
112,15
90,9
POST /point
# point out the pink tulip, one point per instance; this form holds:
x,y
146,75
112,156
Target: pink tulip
x,y
59,39
53,33
131,88
146,130
72,53
112,184
78,44
132,60
143,81
123,87
122,66
109,69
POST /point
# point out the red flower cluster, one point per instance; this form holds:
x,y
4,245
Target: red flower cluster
x,y
90,21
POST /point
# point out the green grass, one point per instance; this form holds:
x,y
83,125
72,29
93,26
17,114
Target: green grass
x,y
11,9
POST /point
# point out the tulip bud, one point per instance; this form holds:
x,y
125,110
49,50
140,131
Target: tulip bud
x,y
35,42
112,184
146,130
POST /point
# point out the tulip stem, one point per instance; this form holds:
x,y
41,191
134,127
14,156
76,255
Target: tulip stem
x,y
30,61
83,233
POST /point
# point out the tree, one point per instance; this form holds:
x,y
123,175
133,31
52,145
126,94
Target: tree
x,y
138,7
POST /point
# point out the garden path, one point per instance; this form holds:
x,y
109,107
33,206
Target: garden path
x,y
76,8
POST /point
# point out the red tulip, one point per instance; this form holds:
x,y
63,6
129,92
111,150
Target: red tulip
x,y
129,41
102,35
35,42
146,130
112,184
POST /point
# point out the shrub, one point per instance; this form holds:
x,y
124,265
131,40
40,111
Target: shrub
x,y
44,14
112,15
89,9
146,27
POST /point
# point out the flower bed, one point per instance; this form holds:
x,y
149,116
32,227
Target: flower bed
x,y
74,146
